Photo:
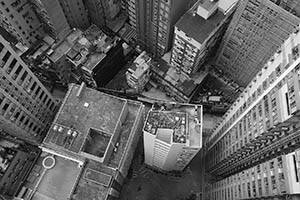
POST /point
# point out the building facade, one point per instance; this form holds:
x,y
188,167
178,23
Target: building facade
x,y
172,136
76,13
264,120
102,12
52,17
256,30
154,22
17,159
27,107
20,20
196,33
277,178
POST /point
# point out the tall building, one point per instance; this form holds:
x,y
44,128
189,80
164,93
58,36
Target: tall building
x,y
292,6
256,30
18,18
27,108
51,15
93,139
264,121
154,22
102,12
17,159
76,13
172,136
277,178
196,33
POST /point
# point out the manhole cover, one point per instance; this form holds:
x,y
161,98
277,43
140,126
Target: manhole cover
x,y
49,162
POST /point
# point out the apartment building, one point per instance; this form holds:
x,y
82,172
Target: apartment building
x,y
277,178
27,107
154,22
138,74
263,121
196,34
75,13
255,31
172,136
20,20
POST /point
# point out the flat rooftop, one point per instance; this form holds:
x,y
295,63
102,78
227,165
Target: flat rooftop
x,y
183,83
93,117
198,28
55,183
92,109
91,48
62,48
184,121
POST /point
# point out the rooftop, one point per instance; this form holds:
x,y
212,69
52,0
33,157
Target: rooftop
x,y
183,83
78,115
91,48
196,27
208,5
176,123
62,48
86,126
140,64
55,183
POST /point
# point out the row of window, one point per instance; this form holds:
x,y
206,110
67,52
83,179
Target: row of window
x,y
251,98
264,115
18,73
266,179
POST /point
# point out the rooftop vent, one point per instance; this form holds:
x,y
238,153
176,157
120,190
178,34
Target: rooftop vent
x,y
74,134
60,129
55,127
81,90
69,132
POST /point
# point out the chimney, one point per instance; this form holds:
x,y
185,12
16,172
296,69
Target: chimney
x,y
81,90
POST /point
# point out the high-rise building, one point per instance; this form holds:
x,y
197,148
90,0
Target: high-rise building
x,y
18,18
292,6
96,134
264,121
255,31
76,13
17,159
277,178
196,33
51,15
172,136
27,107
154,22
102,12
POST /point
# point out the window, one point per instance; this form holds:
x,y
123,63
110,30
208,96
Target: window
x,y
11,66
6,56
